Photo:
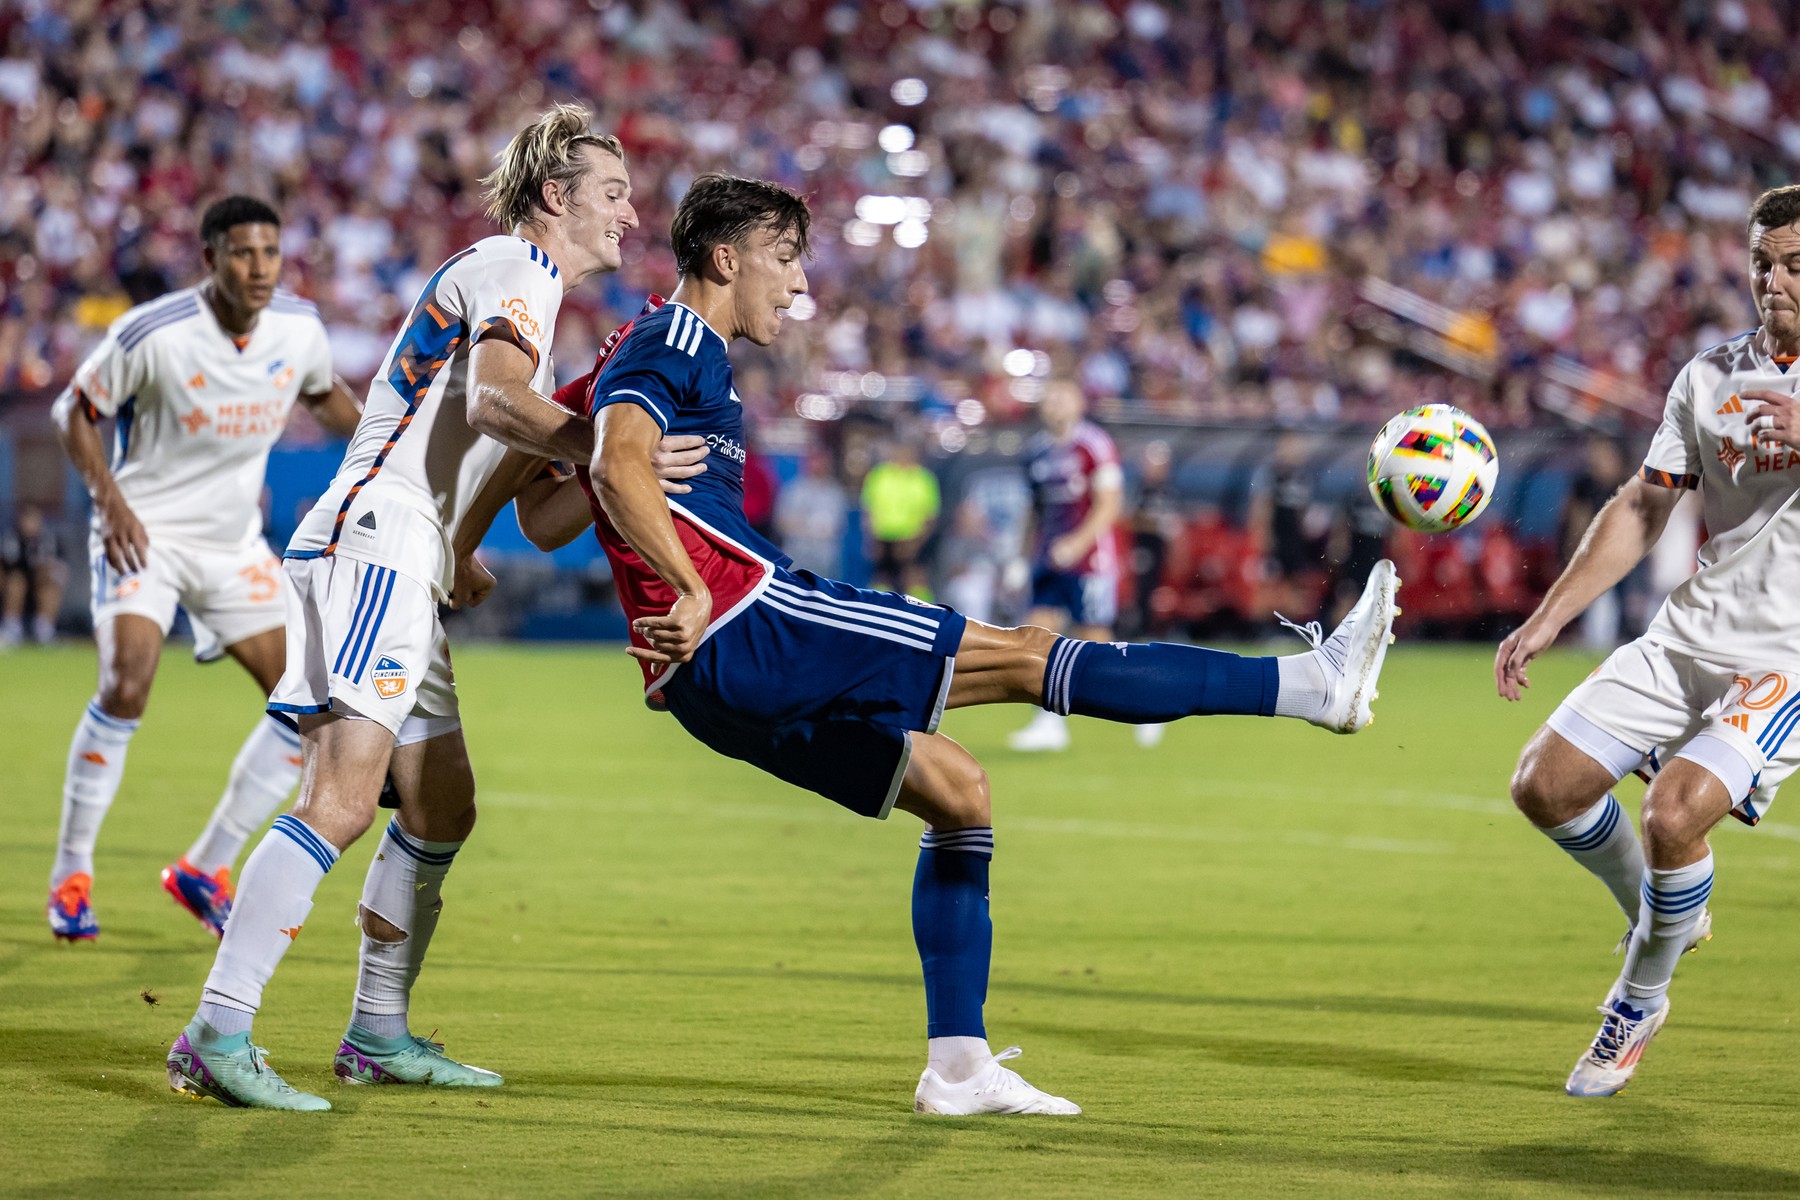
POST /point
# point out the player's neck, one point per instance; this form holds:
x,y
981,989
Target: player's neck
x,y
1778,348
709,302
234,319
558,250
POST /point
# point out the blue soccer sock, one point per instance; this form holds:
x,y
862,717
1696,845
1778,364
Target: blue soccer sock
x,y
1145,683
952,929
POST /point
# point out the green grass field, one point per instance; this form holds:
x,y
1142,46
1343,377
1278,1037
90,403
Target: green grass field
x,y
1265,960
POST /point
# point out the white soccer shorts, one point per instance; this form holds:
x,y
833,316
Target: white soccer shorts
x,y
365,641
1647,704
238,593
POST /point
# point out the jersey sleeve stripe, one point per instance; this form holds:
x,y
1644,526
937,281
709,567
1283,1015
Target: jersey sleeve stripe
x,y
173,315
503,329
646,403
1668,479
150,311
696,334
675,326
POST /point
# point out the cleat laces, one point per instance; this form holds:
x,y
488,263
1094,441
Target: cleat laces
x,y
1610,1041
1331,650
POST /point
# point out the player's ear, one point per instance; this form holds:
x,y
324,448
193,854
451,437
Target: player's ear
x,y
725,261
208,257
551,196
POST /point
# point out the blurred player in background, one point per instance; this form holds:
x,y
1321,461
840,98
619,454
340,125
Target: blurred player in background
x,y
900,504
1077,492
32,574
199,384
369,677
840,689
1706,702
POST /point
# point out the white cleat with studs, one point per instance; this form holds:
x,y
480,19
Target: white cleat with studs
x,y
993,1089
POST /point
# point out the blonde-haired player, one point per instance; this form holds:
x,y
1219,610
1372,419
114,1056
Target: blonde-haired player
x,y
1707,700
199,385
368,675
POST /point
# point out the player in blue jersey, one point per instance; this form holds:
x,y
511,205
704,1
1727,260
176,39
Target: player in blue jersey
x,y
837,689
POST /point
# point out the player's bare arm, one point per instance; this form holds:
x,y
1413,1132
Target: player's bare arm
x,y
336,409
625,484
1068,549
503,405
1615,542
127,544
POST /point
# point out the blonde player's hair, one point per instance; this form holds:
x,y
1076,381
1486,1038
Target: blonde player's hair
x,y
548,148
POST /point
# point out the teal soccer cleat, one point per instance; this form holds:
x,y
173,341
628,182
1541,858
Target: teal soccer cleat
x,y
362,1057
205,1062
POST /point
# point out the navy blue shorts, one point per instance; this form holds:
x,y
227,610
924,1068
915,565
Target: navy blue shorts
x,y
819,684
1090,598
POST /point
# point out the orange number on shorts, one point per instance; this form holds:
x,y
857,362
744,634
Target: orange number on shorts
x,y
264,587
1764,693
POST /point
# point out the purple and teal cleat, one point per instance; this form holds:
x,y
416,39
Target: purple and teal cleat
x,y
71,915
362,1057
208,897
204,1062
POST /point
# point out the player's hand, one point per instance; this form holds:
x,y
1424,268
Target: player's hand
x,y
1520,647
1066,551
127,544
677,457
675,635
472,584
1776,418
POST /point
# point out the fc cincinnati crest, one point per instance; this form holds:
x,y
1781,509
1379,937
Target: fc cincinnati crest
x,y
389,677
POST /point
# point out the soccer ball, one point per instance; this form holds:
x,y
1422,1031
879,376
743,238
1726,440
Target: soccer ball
x,y
1433,468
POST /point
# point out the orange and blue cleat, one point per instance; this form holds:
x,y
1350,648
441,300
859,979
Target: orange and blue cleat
x,y
208,897
71,916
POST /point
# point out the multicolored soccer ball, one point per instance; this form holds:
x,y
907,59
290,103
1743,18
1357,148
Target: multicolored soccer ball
x,y
1433,468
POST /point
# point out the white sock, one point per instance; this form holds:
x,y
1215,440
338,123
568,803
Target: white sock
x,y
404,887
957,1058
272,903
1673,902
1603,840
1304,688
96,765
262,777
1045,719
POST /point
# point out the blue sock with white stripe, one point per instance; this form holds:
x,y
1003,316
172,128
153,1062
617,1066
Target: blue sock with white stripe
x,y
1603,840
96,765
1144,683
405,888
273,900
1673,903
952,930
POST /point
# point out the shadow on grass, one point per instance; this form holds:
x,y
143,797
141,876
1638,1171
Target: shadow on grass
x,y
1380,1006
1633,1172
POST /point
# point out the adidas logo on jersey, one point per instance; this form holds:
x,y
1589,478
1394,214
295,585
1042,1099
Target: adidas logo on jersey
x,y
1733,405
198,381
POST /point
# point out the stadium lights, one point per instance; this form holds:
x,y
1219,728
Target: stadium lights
x,y
911,233
895,138
909,92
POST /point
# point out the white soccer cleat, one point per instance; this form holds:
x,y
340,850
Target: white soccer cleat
x,y
1352,656
1048,732
1609,1063
993,1089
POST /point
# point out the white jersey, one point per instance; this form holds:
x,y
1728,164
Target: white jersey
x,y
196,411
415,465
1742,607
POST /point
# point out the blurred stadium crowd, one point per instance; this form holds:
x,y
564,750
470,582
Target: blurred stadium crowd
x,y
1236,213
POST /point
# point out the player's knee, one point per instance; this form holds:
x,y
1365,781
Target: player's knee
x,y
1534,791
969,804
378,928
1680,807
124,695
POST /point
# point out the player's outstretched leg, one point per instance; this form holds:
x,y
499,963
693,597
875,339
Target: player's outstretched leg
x,y
262,776
214,1055
402,899
1331,685
1682,805
946,787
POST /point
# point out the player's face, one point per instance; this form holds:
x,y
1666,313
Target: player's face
x,y
599,210
1060,407
1775,279
768,279
246,263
